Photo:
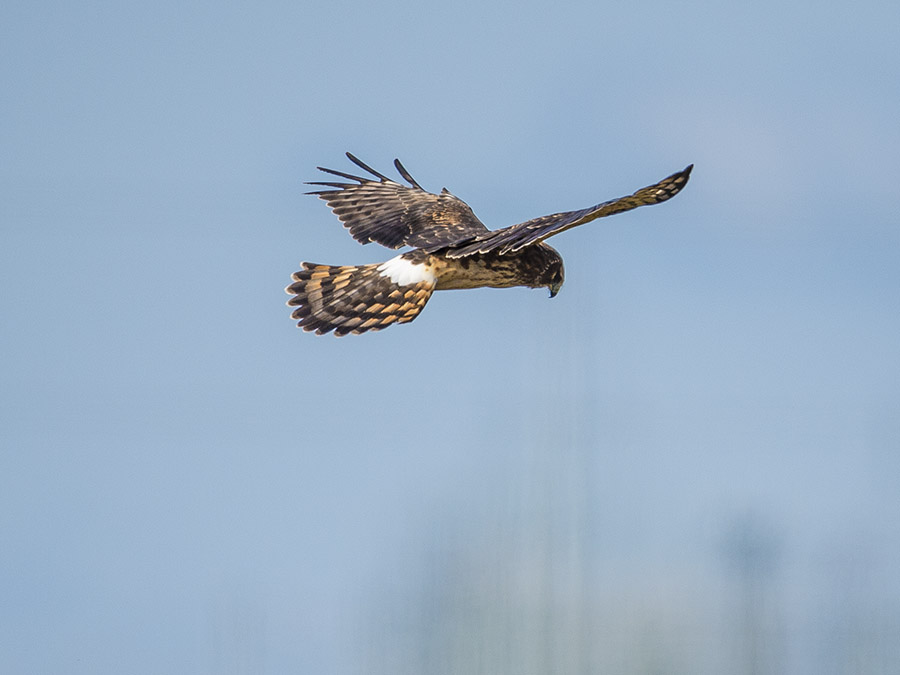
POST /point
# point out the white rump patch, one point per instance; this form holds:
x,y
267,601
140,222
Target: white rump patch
x,y
405,273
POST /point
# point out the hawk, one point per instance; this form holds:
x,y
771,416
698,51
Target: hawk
x,y
451,249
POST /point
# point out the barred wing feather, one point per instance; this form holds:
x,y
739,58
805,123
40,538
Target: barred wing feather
x,y
384,211
516,237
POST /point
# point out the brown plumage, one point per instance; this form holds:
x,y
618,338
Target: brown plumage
x,y
452,250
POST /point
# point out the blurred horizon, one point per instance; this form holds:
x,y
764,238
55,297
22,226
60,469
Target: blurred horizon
x,y
687,461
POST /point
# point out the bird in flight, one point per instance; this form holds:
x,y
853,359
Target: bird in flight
x,y
451,249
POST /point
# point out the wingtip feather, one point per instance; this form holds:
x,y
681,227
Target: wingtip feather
x,y
366,167
406,176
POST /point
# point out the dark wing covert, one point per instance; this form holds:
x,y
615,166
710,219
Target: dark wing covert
x,y
516,237
395,215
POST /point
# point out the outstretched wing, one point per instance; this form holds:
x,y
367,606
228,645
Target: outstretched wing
x,y
395,215
517,237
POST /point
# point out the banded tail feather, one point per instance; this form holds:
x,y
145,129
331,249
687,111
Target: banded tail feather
x,y
348,299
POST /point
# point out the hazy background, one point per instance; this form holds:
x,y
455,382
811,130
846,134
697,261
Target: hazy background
x,y
687,462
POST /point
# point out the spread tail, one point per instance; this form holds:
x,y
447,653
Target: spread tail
x,y
356,299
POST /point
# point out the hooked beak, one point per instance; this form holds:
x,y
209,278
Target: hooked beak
x,y
554,289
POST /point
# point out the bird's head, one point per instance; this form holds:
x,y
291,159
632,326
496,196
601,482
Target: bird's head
x,y
554,276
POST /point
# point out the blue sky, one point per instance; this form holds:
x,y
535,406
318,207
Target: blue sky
x,y
189,483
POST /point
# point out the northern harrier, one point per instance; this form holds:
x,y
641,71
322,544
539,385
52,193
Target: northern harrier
x,y
452,249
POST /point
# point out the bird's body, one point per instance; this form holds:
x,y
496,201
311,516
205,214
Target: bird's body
x,y
534,267
452,249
